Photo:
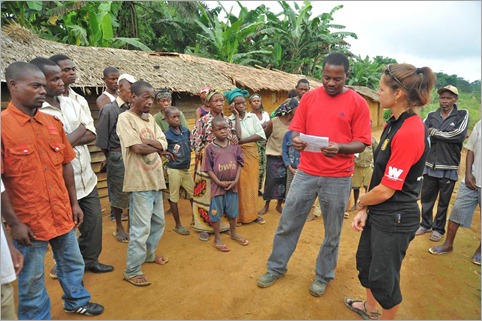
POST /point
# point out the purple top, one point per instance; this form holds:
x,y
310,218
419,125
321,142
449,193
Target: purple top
x,y
223,161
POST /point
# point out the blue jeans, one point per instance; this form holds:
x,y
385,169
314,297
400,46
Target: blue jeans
x,y
333,194
33,300
146,214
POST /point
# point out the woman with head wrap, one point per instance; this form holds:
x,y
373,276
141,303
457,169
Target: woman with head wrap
x,y
250,132
201,135
258,110
275,183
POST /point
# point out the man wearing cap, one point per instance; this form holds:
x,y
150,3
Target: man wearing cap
x,y
109,142
447,128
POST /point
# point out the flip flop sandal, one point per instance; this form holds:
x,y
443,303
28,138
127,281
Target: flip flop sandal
x,y
435,237
120,238
204,236
241,240
437,251
346,215
181,231
138,280
260,220
159,259
476,259
366,315
221,247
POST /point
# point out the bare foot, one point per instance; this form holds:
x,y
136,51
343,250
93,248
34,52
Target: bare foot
x,y
279,208
264,210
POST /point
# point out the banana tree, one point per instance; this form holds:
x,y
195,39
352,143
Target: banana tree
x,y
221,40
304,40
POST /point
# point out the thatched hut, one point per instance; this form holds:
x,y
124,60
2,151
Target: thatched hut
x,y
184,74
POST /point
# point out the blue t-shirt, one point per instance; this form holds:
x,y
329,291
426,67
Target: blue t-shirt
x,y
178,144
289,154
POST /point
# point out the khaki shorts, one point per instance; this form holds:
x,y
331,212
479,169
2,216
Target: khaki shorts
x,y
8,303
361,175
178,178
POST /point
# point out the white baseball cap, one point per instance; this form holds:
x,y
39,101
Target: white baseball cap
x,y
450,88
127,77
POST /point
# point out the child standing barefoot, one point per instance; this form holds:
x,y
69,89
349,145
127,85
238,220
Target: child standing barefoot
x,y
223,163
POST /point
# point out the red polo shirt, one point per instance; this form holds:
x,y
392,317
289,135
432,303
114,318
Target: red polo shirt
x,y
33,152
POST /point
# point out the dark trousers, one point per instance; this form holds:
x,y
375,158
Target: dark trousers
x,y
431,188
90,240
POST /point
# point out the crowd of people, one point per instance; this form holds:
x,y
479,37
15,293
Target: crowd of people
x,y
317,144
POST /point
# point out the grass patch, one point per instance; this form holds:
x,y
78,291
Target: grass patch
x,y
468,101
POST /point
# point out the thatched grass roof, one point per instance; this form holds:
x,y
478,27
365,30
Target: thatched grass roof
x,y
181,72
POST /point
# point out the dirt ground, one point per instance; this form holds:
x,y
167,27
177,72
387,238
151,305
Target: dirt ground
x,y
200,282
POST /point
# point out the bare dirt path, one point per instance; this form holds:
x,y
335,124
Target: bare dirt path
x,y
202,283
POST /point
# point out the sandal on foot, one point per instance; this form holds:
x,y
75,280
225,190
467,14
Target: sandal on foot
x,y
422,230
476,259
260,220
346,215
159,259
221,247
241,240
435,237
138,280
181,231
121,237
366,315
204,236
437,250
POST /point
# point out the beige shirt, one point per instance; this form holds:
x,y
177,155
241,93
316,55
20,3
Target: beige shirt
x,y
275,140
72,115
142,172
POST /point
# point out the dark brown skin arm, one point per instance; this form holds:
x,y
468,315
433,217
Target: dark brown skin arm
x,y
469,177
269,129
215,179
75,136
236,180
101,101
68,174
20,232
252,138
17,257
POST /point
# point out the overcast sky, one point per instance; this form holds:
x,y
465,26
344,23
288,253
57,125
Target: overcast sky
x,y
443,35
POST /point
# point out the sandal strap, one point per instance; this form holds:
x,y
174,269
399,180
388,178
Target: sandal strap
x,y
372,314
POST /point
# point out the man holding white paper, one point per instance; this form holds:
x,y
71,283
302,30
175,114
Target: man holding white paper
x,y
340,119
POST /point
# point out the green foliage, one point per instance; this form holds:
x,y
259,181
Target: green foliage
x,y
299,42
365,72
82,23
293,40
222,40
468,101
